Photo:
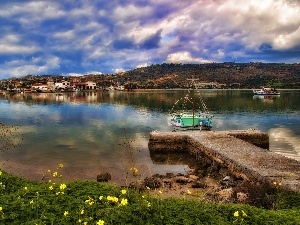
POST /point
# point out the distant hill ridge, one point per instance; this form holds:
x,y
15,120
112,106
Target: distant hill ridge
x,y
209,75
242,75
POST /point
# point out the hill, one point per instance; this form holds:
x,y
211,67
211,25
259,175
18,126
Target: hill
x,y
228,75
210,75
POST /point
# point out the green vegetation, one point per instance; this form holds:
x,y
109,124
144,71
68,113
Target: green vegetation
x,y
87,202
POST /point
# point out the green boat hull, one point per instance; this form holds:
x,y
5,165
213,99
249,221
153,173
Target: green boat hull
x,y
187,120
190,121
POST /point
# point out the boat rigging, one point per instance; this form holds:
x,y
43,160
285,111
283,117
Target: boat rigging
x,y
191,118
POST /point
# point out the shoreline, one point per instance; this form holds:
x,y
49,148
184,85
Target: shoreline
x,y
141,90
210,188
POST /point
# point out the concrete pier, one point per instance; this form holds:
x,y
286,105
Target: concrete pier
x,y
244,154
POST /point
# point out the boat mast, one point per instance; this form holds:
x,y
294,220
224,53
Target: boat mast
x,y
193,95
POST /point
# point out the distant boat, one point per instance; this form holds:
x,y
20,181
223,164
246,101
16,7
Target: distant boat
x,y
266,91
188,117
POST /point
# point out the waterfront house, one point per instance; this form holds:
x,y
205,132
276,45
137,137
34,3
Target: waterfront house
x,y
89,85
62,85
39,88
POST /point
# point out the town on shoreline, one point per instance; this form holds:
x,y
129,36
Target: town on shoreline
x,y
166,76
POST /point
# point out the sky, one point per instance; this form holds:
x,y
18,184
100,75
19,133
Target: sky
x,y
72,37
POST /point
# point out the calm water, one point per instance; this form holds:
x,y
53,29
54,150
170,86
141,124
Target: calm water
x,y
109,131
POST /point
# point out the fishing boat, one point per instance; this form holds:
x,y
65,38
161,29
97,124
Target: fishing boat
x,y
189,121
188,117
266,91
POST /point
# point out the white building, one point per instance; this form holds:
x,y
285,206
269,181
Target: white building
x,y
89,85
39,87
62,85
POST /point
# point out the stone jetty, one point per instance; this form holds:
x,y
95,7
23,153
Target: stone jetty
x,y
244,153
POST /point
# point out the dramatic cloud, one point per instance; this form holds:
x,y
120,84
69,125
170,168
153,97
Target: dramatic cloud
x,y
66,37
40,65
184,57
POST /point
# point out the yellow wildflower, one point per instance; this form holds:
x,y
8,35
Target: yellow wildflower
x,y
84,223
51,188
0,172
60,165
236,214
100,222
160,192
274,182
100,197
55,174
148,204
31,202
188,192
134,170
0,208
112,199
25,188
66,213
89,201
62,186
123,192
243,213
82,211
123,202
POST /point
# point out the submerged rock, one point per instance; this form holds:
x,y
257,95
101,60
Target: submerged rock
x,y
152,182
103,177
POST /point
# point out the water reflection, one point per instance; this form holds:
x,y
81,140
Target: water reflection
x,y
285,141
92,132
266,98
163,100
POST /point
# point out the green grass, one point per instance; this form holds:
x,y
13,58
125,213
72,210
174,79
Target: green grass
x,y
87,202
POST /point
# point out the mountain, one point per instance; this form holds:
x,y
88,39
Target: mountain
x,y
230,75
210,75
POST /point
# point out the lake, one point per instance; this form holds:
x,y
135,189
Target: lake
x,y
95,132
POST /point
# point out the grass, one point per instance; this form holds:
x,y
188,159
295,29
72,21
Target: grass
x,y
87,202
